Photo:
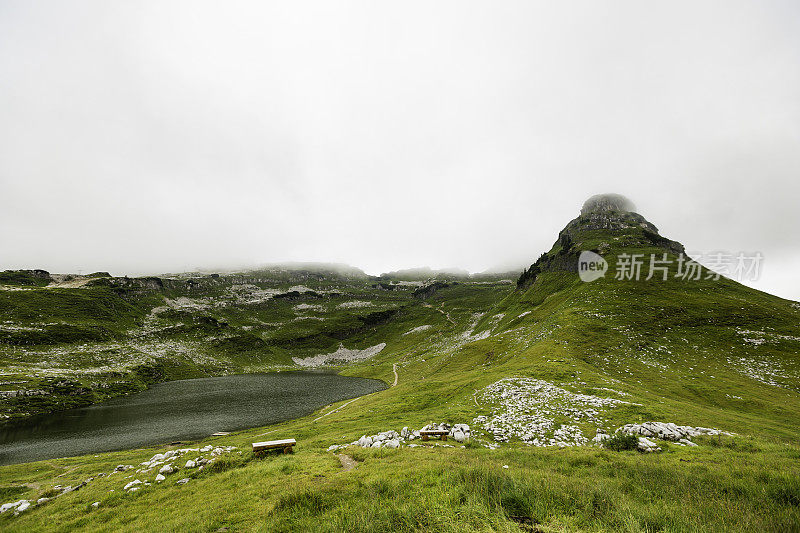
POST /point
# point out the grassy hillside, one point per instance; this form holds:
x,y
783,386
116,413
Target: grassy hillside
x,y
83,340
555,358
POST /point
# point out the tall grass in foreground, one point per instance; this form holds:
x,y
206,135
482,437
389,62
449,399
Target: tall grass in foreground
x,y
578,490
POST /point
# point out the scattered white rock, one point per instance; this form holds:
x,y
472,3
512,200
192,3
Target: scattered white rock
x,y
460,432
132,484
647,446
166,469
355,304
527,408
183,481
190,464
160,478
393,439
417,329
95,505
341,355
601,436
667,430
13,505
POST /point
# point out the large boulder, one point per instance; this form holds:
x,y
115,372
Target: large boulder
x,y
647,446
132,484
667,430
13,505
23,506
601,436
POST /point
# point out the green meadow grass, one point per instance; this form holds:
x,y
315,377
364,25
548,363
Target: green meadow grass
x,y
673,347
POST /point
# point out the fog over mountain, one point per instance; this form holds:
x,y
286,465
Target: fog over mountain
x,y
164,136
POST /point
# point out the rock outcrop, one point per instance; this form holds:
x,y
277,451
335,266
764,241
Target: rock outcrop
x,y
608,203
668,431
392,439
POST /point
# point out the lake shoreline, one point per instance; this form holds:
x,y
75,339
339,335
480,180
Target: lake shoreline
x,y
179,410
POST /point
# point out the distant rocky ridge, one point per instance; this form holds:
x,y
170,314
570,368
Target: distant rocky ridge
x,y
24,277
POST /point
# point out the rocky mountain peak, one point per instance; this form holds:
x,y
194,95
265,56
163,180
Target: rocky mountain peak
x,y
604,203
605,221
612,212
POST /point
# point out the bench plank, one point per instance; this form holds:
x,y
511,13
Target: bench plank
x,y
441,433
285,444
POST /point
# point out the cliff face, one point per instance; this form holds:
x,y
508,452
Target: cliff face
x,y
606,220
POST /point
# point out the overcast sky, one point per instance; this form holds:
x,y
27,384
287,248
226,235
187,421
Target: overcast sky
x,y
146,137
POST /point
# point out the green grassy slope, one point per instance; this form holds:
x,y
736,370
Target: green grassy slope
x,y
72,343
705,352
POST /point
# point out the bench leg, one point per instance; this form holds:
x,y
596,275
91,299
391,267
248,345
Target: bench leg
x,y
424,437
444,437
287,449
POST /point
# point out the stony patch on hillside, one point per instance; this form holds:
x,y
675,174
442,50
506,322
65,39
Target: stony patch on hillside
x,y
340,356
539,413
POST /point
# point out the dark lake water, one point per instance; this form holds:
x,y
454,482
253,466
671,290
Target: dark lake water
x,y
178,410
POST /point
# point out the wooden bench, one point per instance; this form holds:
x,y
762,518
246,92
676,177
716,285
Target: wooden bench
x,y
427,433
285,445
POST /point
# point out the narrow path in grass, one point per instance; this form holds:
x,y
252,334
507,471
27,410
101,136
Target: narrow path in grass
x,y
445,313
394,369
348,463
337,409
